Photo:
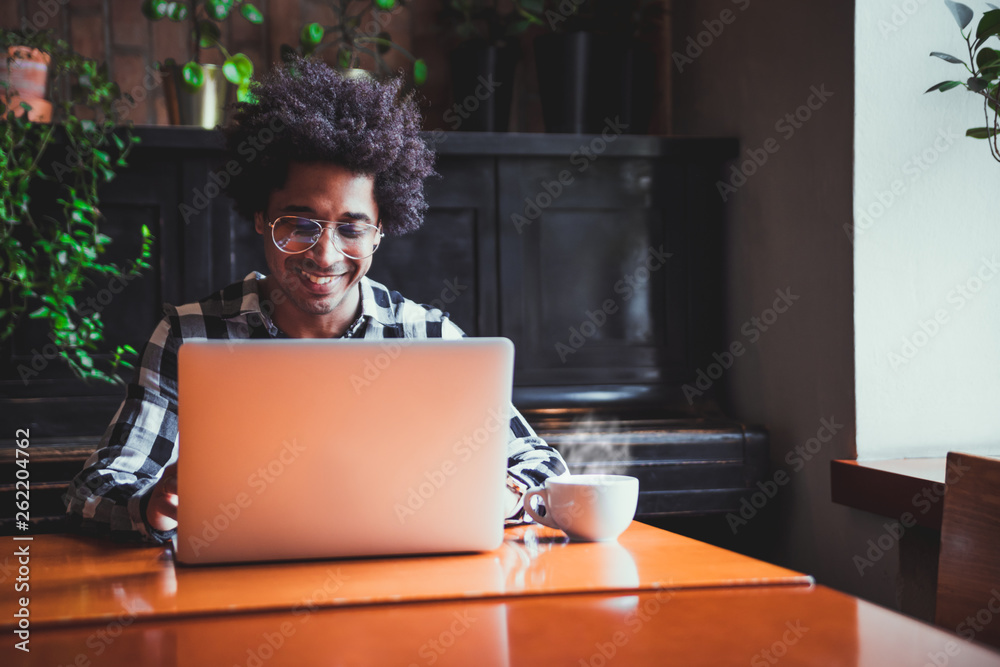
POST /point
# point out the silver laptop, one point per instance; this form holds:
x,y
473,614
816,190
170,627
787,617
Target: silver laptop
x,y
299,449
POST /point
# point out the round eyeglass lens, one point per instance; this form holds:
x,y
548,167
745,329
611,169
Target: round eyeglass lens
x,y
354,239
296,234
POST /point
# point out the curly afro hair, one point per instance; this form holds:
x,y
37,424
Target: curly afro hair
x,y
305,111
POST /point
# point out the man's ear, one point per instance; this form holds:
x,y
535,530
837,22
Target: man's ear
x,y
258,222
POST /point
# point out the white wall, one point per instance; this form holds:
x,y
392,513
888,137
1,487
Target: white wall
x,y
927,233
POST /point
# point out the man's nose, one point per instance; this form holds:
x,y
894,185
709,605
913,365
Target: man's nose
x,y
325,252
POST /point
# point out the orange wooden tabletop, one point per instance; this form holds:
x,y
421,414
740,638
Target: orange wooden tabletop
x,y
78,579
756,626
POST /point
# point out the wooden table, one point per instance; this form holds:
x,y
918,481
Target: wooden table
x,y
88,579
652,598
893,487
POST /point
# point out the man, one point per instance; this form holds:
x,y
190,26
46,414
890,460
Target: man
x,y
345,167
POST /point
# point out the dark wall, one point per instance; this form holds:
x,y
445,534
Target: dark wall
x,y
785,232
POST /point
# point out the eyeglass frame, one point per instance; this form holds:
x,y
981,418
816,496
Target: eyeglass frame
x,y
322,226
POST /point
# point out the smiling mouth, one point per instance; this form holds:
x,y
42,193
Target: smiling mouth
x,y
317,280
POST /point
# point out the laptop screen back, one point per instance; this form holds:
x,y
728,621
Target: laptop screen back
x,y
336,448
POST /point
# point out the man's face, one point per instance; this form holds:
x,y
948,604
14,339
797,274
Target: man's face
x,y
317,288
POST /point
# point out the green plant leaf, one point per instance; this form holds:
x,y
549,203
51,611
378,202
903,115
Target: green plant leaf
x,y
193,76
962,13
237,69
251,13
209,34
980,132
987,58
154,10
945,56
943,86
311,35
179,11
988,25
419,72
977,84
217,9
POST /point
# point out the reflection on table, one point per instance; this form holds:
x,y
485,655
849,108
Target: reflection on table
x,y
86,579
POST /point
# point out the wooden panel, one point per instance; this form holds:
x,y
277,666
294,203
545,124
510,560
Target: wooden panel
x,y
610,270
436,265
79,578
968,593
450,262
577,245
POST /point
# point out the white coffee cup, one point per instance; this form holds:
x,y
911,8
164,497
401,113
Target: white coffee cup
x,y
588,508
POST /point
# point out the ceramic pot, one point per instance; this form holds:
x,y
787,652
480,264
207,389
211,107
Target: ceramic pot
x,y
26,71
586,80
482,85
205,107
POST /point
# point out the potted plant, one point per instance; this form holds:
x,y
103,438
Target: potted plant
x,y
983,67
358,31
594,62
24,71
196,93
46,261
483,61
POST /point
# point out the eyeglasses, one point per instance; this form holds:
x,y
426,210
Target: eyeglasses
x,y
357,240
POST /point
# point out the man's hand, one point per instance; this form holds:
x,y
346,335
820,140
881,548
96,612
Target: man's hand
x,y
161,512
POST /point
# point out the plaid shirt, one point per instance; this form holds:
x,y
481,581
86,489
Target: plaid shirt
x,y
111,492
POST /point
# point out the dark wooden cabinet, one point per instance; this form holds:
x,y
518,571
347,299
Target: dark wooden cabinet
x,y
600,257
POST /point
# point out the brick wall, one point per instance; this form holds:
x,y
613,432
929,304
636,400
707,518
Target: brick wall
x,y
116,32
